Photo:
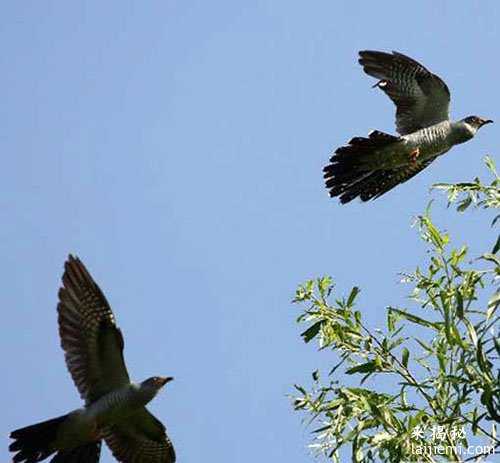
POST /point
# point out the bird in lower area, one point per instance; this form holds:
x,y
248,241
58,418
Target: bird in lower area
x,y
114,406
369,167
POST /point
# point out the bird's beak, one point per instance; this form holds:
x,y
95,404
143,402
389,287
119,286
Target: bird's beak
x,y
165,380
487,121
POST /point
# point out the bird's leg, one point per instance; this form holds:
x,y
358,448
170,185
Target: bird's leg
x,y
414,155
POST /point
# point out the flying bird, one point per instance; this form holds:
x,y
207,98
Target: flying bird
x,y
369,167
114,407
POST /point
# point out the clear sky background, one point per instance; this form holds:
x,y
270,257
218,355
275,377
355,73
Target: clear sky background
x,y
177,148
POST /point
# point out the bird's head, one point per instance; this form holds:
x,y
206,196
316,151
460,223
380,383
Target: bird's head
x,y
476,122
153,385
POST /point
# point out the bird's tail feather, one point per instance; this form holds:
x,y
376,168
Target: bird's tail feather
x,y
346,174
35,443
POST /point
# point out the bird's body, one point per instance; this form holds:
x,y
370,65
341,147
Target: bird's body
x,y
87,423
117,405
431,142
114,407
369,167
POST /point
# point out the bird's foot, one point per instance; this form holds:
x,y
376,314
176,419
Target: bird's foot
x,y
414,155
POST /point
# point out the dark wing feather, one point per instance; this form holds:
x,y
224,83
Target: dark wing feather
x,y
422,98
92,342
141,438
380,182
88,453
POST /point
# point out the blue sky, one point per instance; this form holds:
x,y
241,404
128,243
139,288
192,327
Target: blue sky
x,y
177,148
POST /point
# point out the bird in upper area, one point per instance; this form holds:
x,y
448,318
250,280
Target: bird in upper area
x,y
369,167
114,406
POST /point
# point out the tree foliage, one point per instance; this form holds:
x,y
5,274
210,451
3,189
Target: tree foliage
x,y
441,357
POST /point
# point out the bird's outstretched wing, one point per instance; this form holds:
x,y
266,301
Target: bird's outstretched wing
x,y
140,439
92,342
422,99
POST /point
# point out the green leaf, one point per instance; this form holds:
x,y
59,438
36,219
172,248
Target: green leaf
x,y
332,371
492,305
439,240
325,285
425,346
442,186
304,292
490,164
442,360
300,389
405,357
471,330
463,205
368,367
491,258
497,246
354,292
418,320
460,304
390,321
312,331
